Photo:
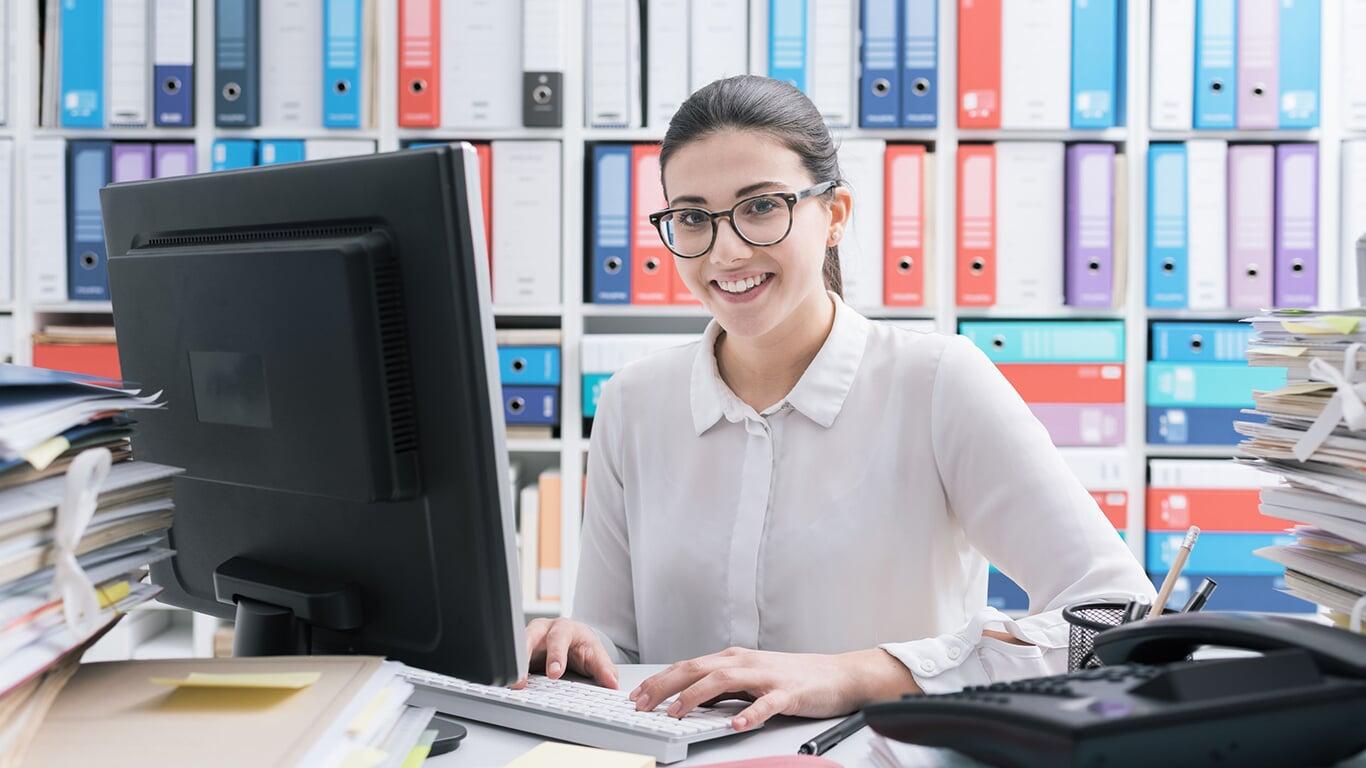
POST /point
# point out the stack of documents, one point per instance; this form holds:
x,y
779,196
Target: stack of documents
x,y
79,524
1315,439
294,711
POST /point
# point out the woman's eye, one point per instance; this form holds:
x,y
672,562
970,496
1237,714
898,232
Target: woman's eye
x,y
691,218
761,207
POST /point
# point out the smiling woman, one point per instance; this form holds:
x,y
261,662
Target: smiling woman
x,y
799,509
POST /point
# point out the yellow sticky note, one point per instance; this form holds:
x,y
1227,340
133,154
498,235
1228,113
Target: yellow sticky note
x,y
552,755
1301,388
113,592
277,680
1339,324
41,456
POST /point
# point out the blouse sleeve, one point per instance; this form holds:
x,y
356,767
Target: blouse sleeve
x,y
603,595
1024,510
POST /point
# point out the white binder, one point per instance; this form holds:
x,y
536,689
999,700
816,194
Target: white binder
x,y
326,149
543,52
526,223
613,59
1207,223
1173,65
1036,64
45,220
4,61
719,41
1029,224
6,221
863,162
127,74
1353,77
481,64
291,63
666,59
1353,219
832,57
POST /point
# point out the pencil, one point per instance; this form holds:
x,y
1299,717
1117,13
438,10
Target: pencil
x,y
1169,583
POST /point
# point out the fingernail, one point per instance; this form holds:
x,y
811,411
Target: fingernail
x,y
554,669
740,723
634,694
674,710
641,702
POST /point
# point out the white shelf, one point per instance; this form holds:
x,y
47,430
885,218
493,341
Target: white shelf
x,y
404,135
295,132
528,311
176,642
118,134
541,608
1057,313
1190,451
1250,136
1107,135
75,307
519,445
631,310
1232,315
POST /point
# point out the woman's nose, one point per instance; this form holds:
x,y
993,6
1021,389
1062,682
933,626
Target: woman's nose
x,y
729,247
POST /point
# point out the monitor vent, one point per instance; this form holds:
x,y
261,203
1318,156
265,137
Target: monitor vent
x,y
258,236
393,335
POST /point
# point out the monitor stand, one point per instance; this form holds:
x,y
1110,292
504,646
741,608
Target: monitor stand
x,y
277,608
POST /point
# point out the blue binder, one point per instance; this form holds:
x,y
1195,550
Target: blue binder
x,y
1216,59
1003,594
88,169
1223,385
880,80
1215,553
82,63
920,52
237,64
1237,593
276,151
611,276
1299,63
787,41
531,406
173,94
1201,342
233,153
592,391
529,366
1174,425
1168,270
1063,341
1095,63
341,63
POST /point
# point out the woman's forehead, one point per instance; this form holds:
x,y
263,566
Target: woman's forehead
x,y
715,167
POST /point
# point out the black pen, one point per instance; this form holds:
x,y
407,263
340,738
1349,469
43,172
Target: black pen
x,y
1200,596
832,736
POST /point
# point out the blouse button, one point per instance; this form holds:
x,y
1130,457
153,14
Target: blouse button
x,y
953,653
927,666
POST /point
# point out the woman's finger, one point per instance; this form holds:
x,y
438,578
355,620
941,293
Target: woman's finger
x,y
678,676
766,706
591,660
557,642
727,680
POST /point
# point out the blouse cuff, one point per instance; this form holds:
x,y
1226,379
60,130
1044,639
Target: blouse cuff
x,y
956,660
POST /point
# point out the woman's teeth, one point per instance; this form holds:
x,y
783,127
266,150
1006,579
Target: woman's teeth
x,y
740,286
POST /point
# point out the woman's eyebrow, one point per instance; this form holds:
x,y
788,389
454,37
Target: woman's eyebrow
x,y
743,191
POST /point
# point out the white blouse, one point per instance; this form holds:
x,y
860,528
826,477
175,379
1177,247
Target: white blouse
x,y
859,512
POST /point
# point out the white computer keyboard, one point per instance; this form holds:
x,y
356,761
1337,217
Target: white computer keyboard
x,y
571,711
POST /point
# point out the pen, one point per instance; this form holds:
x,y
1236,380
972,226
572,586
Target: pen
x,y
832,736
1169,583
1136,609
1200,596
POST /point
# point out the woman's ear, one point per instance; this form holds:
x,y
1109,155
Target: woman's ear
x,y
841,213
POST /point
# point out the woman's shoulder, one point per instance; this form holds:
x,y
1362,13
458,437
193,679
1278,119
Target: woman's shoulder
x,y
656,370
904,342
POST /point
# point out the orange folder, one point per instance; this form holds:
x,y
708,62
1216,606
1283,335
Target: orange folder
x,y
91,359
979,63
548,536
650,280
486,190
1213,509
419,63
976,225
1066,382
903,279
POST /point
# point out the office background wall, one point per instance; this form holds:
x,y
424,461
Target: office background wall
x,y
579,318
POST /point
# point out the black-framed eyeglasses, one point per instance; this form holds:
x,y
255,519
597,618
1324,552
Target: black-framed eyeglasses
x,y
759,220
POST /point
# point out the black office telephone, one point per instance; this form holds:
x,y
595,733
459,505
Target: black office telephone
x,y
1301,702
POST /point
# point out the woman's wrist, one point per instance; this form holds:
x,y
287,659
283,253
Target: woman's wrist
x,y
876,675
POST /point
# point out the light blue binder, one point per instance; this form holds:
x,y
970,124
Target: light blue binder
x,y
341,63
787,41
1095,63
1201,342
82,63
276,151
1227,385
1299,63
920,53
529,366
880,80
1216,552
1064,341
611,225
1216,59
233,153
1168,268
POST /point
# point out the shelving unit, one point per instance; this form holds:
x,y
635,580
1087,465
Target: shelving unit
x,y
575,318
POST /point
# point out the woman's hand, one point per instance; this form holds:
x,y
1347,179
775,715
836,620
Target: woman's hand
x,y
802,684
557,645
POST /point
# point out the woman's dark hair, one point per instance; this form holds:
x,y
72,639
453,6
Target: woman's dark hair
x,y
772,107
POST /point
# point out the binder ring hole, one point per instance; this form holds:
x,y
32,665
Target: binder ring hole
x,y
1297,266
342,86
1216,85
651,266
1258,90
921,86
232,91
1197,342
89,260
516,405
881,87
978,265
541,94
519,365
171,85
1168,265
612,265
417,86
905,264
1252,271
1093,266
998,342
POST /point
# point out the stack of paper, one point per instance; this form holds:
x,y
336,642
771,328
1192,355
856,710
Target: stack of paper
x,y
1315,439
294,711
79,524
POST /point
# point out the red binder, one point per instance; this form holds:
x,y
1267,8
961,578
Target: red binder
x,y
419,63
976,225
1115,505
1213,509
92,359
486,191
903,277
650,279
979,63
1066,382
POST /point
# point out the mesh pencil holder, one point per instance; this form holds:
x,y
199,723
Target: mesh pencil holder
x,y
1085,621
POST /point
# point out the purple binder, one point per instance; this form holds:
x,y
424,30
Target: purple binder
x,y
176,159
1071,424
1088,274
1251,222
1297,225
1258,61
132,162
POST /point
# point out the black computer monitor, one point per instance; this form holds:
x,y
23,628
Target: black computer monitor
x,y
324,333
